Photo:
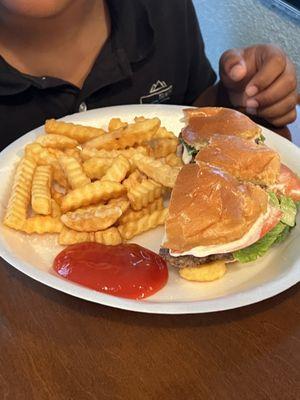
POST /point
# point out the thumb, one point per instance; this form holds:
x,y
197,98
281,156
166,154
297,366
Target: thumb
x,y
232,67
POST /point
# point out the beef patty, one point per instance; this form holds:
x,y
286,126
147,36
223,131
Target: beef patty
x,y
192,261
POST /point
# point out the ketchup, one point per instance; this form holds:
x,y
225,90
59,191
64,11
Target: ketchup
x,y
126,270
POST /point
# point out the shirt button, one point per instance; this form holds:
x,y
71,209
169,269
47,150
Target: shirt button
x,y
82,107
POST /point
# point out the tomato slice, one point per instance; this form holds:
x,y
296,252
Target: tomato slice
x,y
288,183
271,222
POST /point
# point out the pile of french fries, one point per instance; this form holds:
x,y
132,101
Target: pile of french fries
x,y
87,184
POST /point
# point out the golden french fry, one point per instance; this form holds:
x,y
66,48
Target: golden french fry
x,y
163,147
74,172
205,272
55,209
57,195
118,170
115,124
96,167
88,153
93,219
149,221
121,202
133,134
156,169
75,152
163,133
91,194
68,236
40,191
56,152
16,211
42,224
173,160
77,132
43,156
109,237
133,179
139,119
144,193
131,215
56,141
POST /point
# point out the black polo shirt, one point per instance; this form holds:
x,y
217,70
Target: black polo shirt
x,y
155,54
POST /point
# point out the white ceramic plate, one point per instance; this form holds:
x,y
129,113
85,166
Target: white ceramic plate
x,y
242,285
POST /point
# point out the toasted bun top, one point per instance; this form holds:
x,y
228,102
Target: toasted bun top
x,y
242,158
210,207
206,121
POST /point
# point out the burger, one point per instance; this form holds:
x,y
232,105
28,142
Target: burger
x,y
215,219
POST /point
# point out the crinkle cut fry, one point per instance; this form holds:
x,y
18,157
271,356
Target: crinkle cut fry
x,y
88,153
150,221
156,170
109,237
44,156
96,167
132,215
42,224
91,194
144,193
118,170
93,219
74,172
133,134
56,141
80,133
40,192
19,200
68,236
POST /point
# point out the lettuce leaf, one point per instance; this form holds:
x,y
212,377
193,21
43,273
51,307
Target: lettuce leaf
x,y
273,200
259,248
260,139
284,234
289,209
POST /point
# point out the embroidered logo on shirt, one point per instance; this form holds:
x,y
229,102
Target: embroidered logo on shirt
x,y
159,92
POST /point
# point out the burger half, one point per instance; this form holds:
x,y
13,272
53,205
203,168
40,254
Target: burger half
x,y
215,219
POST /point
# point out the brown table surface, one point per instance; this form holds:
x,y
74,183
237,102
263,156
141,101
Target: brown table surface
x,y
54,346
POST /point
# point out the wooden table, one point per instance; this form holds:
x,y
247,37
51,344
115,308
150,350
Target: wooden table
x,y
54,346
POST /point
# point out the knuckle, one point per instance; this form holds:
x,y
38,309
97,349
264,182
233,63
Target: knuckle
x,y
290,82
280,60
292,101
265,99
293,116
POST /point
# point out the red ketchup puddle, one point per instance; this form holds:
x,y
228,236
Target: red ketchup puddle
x,y
126,270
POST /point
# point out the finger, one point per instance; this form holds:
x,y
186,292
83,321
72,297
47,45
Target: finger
x,y
284,120
285,84
279,109
232,66
271,62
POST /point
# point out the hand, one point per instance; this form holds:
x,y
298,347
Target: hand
x,y
263,80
